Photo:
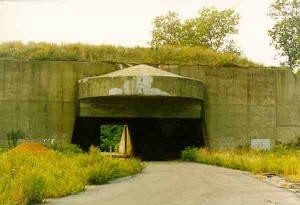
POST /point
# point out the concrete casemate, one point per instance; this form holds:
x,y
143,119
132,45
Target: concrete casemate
x,y
132,91
140,80
235,105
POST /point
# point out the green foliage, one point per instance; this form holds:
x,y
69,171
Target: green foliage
x,y
163,55
282,160
168,30
100,173
285,33
31,178
33,189
189,154
209,29
13,136
110,137
64,147
231,47
295,144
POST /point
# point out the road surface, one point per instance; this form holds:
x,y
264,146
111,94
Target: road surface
x,y
180,183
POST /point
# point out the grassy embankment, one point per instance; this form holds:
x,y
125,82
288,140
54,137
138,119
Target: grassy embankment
x,y
282,161
28,177
137,55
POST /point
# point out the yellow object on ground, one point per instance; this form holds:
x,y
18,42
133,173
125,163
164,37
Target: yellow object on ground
x,y
125,146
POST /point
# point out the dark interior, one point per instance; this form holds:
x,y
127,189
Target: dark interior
x,y
152,138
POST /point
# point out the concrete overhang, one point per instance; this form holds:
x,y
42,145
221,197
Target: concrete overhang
x,y
141,80
131,91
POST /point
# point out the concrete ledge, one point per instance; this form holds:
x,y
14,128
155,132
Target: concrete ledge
x,y
140,80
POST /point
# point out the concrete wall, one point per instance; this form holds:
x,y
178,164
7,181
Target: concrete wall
x,y
240,103
288,106
247,103
40,97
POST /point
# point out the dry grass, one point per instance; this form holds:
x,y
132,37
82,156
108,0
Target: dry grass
x,y
82,52
27,178
281,161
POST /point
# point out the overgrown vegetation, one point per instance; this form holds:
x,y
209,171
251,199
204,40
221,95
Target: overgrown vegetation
x,y
282,160
82,52
29,177
110,137
211,28
13,136
285,33
64,147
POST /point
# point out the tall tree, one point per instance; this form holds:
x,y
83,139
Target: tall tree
x,y
285,33
209,29
167,30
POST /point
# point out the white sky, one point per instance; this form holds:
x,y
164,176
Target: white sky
x,y
125,22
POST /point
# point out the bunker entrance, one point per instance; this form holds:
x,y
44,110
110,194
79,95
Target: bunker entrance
x,y
162,110
151,138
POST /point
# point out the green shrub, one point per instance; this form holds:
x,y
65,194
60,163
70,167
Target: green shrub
x,y
82,52
189,154
13,136
33,188
295,144
64,147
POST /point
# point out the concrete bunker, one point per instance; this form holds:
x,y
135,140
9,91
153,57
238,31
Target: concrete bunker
x,y
163,111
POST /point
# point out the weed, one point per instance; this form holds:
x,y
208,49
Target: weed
x,y
64,147
13,136
27,178
282,160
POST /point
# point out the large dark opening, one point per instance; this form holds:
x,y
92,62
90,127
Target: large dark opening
x,y
152,138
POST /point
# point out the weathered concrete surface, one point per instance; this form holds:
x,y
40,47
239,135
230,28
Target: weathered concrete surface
x,y
40,97
140,80
240,104
288,106
184,183
140,91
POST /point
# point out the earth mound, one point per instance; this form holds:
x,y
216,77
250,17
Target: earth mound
x,y
31,147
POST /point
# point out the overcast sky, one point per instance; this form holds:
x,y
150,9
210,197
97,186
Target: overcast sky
x,y
125,22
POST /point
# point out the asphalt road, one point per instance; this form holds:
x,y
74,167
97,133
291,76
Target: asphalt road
x,y
182,183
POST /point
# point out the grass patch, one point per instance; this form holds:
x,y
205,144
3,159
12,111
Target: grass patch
x,y
27,178
63,147
282,161
137,55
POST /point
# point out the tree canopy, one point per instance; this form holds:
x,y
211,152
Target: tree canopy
x,y
210,29
167,30
285,33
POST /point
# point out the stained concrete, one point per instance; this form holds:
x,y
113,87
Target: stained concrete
x,y
141,80
140,91
239,104
184,183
